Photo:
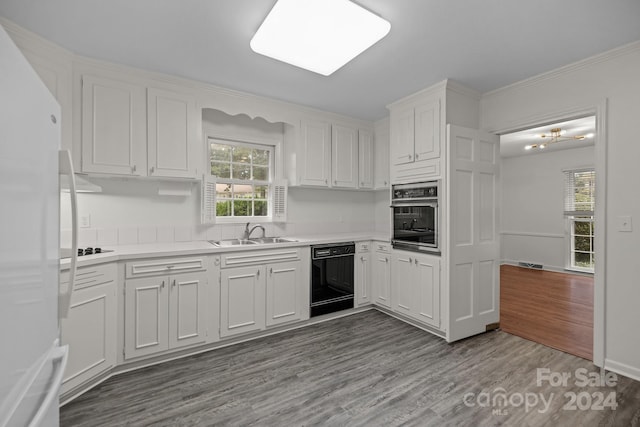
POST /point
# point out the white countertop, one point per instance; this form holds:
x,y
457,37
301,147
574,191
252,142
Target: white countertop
x,y
153,250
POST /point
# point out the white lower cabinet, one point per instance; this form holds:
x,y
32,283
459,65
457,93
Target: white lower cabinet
x,y
416,286
242,293
363,274
90,328
262,289
381,274
164,312
283,292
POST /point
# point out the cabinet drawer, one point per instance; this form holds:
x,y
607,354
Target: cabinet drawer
x,y
414,172
90,276
382,247
259,257
164,266
363,246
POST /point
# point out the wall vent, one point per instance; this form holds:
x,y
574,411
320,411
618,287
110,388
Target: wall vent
x,y
530,265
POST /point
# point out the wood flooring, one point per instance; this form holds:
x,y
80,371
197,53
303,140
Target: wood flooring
x,y
554,309
367,369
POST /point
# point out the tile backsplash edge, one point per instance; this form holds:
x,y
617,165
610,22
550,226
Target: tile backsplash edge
x,y
128,235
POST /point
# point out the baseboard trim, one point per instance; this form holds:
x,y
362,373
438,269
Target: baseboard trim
x,y
622,369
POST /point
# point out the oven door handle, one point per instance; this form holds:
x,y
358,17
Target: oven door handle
x,y
415,205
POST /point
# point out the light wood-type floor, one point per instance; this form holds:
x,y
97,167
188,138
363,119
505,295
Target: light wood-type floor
x,y
554,309
367,369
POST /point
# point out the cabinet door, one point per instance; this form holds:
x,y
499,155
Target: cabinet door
x,y
402,136
242,300
365,158
403,284
113,127
146,317
363,279
187,305
428,290
344,153
171,121
382,143
90,332
427,131
314,164
381,272
283,295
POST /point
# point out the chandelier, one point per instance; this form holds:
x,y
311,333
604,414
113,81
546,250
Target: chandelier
x,y
555,137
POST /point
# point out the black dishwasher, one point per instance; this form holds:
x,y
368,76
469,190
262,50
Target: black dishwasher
x,y
332,277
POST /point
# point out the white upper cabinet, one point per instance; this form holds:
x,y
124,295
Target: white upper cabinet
x,y
402,132
415,132
314,160
344,156
172,143
330,155
365,158
381,154
427,131
113,127
416,138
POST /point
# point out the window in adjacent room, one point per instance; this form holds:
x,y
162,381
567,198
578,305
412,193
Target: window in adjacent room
x,y
244,177
578,209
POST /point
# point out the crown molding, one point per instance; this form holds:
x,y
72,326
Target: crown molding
x,y
609,55
29,41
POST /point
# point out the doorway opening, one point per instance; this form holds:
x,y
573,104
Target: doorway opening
x,y
548,238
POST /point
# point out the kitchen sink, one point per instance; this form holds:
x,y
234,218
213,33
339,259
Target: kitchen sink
x,y
254,241
265,240
232,242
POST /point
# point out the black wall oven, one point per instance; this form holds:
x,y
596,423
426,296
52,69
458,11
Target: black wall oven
x,y
415,213
332,278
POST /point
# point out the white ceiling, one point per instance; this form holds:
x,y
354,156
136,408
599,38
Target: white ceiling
x,y
482,44
513,144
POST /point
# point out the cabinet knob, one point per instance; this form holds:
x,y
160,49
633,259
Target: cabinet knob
x,y
362,258
415,261
152,169
386,259
335,182
271,271
326,181
258,273
410,260
410,156
217,261
162,285
174,283
385,183
417,155
133,168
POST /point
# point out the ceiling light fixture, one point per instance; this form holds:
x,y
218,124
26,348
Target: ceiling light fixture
x,y
554,137
318,35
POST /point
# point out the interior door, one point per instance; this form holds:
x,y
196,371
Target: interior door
x,y
472,206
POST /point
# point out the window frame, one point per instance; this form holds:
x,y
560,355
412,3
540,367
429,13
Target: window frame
x,y
572,216
274,148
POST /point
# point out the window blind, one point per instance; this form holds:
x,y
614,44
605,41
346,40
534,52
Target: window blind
x,y
579,195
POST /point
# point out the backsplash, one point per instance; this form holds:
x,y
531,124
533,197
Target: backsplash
x,y
131,235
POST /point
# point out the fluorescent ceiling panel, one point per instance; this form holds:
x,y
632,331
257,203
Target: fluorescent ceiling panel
x,y
318,35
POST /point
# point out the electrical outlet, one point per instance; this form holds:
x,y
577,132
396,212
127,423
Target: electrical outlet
x,y
85,221
624,223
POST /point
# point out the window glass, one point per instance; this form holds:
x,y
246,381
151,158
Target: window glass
x,y
579,208
243,174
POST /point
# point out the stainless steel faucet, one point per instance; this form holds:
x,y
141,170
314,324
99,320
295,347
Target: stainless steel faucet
x,y
247,233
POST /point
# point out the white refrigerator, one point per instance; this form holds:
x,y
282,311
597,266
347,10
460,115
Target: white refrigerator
x,y
31,360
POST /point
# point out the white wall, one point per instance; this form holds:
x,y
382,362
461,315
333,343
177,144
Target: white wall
x,y
533,224
130,211
612,77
